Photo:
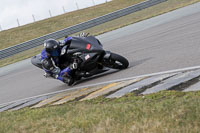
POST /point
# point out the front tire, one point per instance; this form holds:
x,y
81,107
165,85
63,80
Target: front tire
x,y
118,62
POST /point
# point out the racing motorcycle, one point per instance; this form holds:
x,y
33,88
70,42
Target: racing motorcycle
x,y
90,56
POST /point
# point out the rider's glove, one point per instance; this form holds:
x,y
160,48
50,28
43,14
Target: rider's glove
x,y
61,42
64,42
83,34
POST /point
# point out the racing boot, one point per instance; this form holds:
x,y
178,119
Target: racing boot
x,y
48,75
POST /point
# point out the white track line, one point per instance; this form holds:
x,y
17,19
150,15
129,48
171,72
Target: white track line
x,y
107,82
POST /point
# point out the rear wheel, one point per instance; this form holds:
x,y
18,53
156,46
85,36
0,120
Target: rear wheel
x,y
118,62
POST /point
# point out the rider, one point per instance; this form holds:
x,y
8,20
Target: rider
x,y
54,64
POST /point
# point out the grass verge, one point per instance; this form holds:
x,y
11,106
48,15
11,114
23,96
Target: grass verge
x,y
166,111
27,32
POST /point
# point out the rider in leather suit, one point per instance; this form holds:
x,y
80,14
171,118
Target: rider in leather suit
x,y
54,63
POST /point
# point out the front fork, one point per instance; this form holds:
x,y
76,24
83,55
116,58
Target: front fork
x,y
106,61
107,55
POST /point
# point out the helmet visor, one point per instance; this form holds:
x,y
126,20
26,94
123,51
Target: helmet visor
x,y
54,53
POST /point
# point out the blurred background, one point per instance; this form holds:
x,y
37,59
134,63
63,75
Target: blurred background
x,y
14,13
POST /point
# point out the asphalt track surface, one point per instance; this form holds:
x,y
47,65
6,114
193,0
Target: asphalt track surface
x,y
160,44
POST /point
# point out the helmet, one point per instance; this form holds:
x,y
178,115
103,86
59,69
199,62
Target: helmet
x,y
52,47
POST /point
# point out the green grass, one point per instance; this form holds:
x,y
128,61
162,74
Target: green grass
x,y
17,35
166,111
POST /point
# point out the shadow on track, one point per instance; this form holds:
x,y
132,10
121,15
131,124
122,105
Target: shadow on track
x,y
96,76
78,83
138,62
111,71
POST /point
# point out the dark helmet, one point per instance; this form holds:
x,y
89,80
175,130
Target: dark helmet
x,y
52,47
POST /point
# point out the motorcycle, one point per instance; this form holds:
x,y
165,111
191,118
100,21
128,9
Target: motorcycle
x,y
90,56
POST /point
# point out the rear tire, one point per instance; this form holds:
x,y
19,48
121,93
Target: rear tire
x,y
118,61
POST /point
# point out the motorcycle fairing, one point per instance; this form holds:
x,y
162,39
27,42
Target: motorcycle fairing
x,y
85,44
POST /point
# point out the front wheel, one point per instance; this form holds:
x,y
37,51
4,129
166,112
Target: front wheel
x,y
117,62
